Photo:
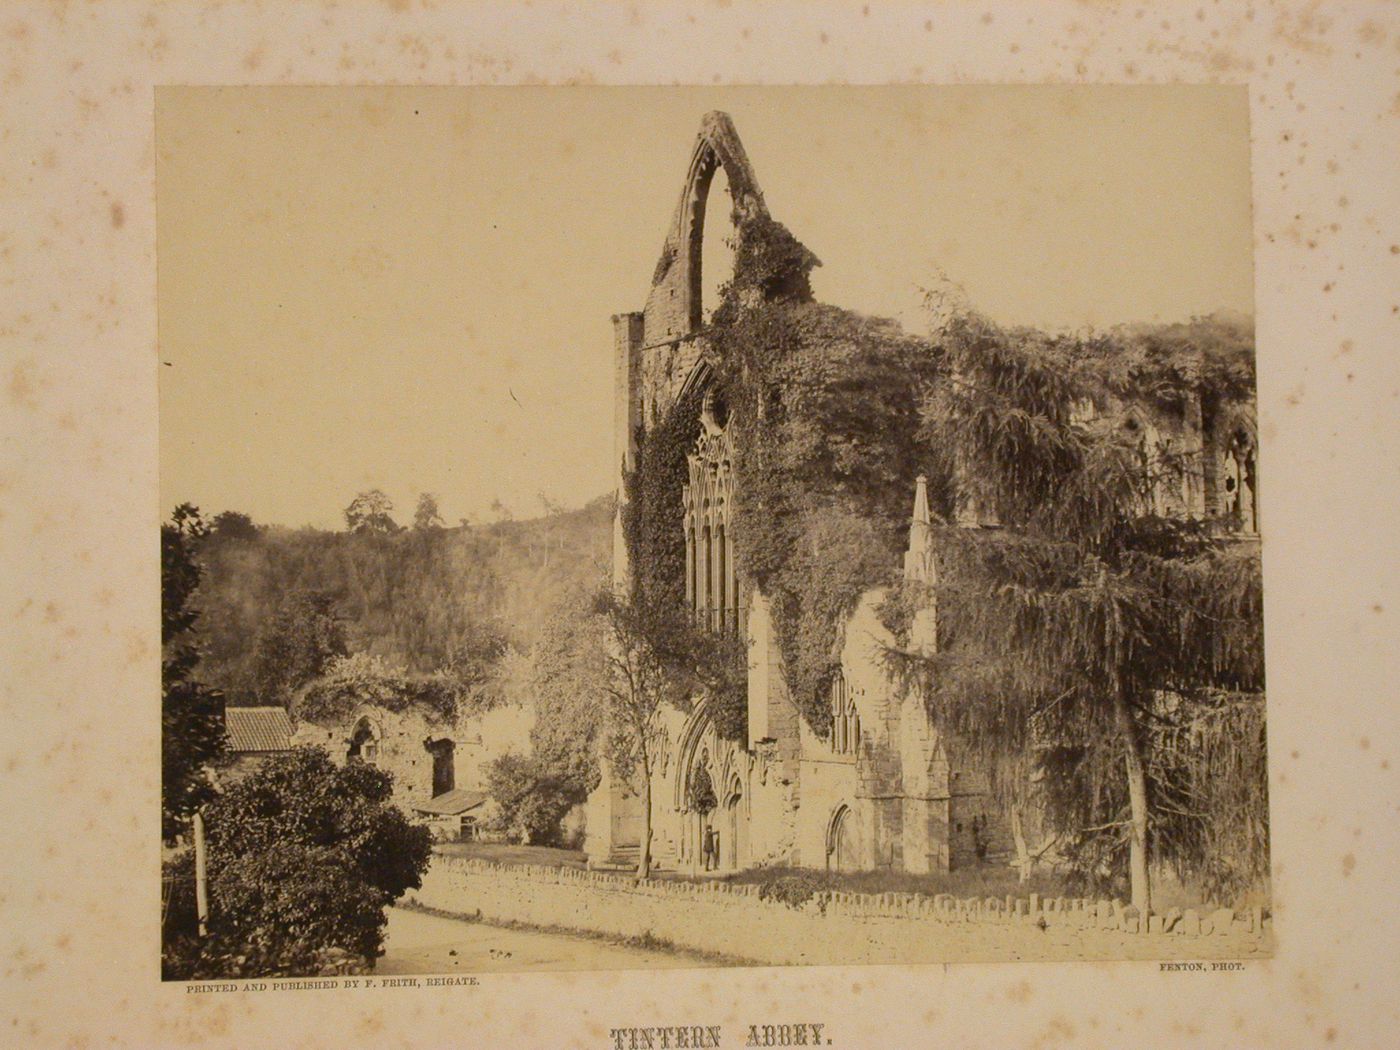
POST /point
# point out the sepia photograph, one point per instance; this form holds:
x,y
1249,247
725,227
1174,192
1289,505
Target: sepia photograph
x,y
610,528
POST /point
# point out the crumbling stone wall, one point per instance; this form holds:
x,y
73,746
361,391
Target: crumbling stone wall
x,y
402,738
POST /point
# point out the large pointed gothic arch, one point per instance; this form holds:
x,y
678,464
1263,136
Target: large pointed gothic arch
x,y
716,146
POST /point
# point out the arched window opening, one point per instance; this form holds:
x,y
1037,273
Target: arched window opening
x,y
717,242
845,721
714,410
689,563
706,579
1148,462
722,597
364,744
1240,483
712,586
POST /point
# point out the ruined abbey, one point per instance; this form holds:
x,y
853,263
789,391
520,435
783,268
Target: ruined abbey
x,y
880,789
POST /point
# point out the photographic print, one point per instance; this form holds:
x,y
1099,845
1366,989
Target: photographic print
x,y
640,527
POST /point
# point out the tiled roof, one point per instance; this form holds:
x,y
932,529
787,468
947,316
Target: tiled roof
x,y
451,803
258,729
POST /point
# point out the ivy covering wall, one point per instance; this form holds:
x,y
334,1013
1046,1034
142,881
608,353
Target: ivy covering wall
x,y
824,406
834,415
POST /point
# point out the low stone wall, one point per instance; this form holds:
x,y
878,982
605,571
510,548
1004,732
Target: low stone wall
x,y
835,928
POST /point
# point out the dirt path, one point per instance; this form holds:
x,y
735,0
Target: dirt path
x,y
416,943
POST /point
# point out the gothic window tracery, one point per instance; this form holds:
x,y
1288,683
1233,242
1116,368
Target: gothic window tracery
x,y
1239,482
1153,454
711,582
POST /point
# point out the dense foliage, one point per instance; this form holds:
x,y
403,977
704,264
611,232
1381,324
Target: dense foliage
x,y
350,681
654,530
565,683
303,858
423,599
824,404
192,730
1097,644
531,796
1120,647
563,674
295,645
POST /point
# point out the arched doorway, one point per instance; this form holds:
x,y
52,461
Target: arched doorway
x,y
842,849
443,753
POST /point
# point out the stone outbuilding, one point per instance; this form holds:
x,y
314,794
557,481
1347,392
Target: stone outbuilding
x,y
438,764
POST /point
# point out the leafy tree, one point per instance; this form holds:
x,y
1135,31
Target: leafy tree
x,y
372,512
296,645
562,677
566,680
192,731
531,798
421,600
638,678
235,525
303,858
700,794
427,517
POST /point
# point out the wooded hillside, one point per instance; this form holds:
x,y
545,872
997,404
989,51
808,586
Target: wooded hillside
x,y
419,597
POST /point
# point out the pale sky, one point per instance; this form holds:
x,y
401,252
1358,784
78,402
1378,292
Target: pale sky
x,y
410,288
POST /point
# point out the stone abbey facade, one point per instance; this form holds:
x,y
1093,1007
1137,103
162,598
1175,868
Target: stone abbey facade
x,y
882,790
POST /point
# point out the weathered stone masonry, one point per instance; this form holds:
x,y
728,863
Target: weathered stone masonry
x,y
883,794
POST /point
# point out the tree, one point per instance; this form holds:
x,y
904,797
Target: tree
x,y
192,730
371,512
303,858
426,517
563,678
235,525
700,795
1086,624
531,797
296,645
638,678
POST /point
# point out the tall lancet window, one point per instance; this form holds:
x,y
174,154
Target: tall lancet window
x,y
711,584
1239,482
845,721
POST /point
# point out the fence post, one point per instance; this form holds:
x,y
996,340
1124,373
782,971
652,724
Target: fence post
x,y
201,891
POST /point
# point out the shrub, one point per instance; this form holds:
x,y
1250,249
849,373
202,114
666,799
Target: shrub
x,y
303,858
793,890
531,799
